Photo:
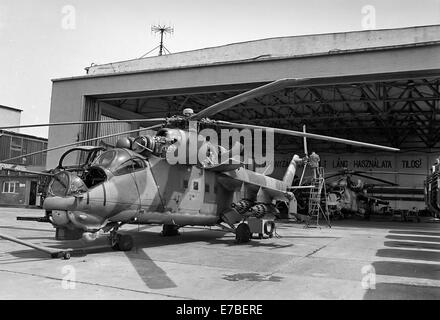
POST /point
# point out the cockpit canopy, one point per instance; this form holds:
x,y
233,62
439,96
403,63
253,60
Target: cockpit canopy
x,y
66,183
119,161
79,157
114,162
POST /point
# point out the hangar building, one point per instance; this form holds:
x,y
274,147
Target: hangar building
x,y
378,86
18,188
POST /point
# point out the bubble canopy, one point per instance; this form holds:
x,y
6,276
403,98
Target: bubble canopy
x,y
115,159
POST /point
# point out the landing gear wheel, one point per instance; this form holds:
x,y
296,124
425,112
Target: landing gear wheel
x,y
269,228
169,230
242,233
66,256
121,242
125,242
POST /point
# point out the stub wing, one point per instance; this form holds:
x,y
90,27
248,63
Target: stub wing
x,y
272,185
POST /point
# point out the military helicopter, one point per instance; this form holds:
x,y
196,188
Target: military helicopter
x,y
432,190
135,183
346,196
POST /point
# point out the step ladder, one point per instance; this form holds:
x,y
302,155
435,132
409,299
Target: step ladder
x,y
316,209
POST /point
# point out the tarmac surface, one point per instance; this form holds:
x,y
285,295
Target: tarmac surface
x,y
355,259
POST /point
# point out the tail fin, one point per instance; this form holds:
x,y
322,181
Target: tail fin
x,y
291,170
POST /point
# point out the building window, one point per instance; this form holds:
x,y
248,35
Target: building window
x,y
9,186
206,188
195,185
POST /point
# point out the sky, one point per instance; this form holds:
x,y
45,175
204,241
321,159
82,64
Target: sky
x,y
49,39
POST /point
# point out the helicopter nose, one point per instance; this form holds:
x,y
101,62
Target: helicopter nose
x,y
67,211
59,203
59,208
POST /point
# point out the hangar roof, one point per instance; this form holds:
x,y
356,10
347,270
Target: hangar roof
x,y
280,48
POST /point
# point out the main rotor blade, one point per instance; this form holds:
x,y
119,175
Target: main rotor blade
x,y
83,141
245,96
336,173
333,175
376,179
80,122
308,135
28,172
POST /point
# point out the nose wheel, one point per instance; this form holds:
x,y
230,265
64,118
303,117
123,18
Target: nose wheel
x,y
64,254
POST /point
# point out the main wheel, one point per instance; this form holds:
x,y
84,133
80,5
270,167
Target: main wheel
x,y
242,233
125,242
169,230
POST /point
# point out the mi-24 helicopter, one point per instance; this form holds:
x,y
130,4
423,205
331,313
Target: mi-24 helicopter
x,y
349,196
136,183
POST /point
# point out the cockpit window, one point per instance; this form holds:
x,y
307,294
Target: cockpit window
x,y
105,159
125,168
138,164
59,184
66,183
79,157
74,158
119,161
129,166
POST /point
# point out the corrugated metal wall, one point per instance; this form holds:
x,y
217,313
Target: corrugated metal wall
x,y
14,146
92,112
112,128
5,150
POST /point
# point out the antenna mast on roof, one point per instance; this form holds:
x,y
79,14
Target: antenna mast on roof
x,y
162,29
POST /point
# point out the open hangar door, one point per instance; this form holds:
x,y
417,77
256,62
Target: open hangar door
x,y
396,110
